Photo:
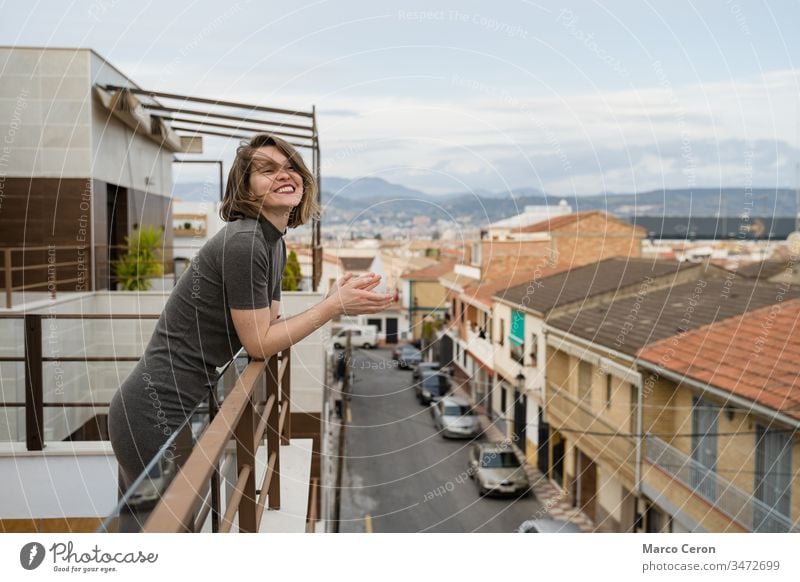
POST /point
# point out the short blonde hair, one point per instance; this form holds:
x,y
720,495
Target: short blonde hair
x,y
239,202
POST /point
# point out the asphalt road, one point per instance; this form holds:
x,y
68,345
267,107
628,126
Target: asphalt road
x,y
399,474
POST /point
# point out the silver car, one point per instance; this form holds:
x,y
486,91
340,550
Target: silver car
x,y
454,417
497,470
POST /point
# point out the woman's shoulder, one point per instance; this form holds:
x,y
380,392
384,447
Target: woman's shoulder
x,y
247,225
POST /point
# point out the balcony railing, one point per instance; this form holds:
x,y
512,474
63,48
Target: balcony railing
x,y
171,499
738,505
596,435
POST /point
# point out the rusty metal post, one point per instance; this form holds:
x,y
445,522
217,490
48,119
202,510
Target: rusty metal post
x,y
34,384
273,438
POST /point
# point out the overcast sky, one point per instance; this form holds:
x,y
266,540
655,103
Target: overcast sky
x,y
571,97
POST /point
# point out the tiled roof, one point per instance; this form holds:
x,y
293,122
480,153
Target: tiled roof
x,y
763,269
482,291
431,273
581,283
558,222
457,279
645,317
754,355
356,263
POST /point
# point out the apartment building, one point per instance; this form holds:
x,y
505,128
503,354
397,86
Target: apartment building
x,y
594,387
721,419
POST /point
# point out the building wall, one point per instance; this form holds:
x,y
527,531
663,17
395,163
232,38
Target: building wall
x,y
736,450
45,112
63,148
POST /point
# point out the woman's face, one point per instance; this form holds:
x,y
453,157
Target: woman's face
x,y
274,180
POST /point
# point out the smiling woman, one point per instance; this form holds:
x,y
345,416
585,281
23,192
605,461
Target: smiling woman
x,y
229,299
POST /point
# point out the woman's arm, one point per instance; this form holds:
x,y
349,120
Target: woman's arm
x,y
263,338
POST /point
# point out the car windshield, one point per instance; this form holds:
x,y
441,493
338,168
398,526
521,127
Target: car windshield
x,y
497,460
457,410
429,366
409,351
434,383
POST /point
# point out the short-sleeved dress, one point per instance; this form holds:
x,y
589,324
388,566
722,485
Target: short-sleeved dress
x,y
240,268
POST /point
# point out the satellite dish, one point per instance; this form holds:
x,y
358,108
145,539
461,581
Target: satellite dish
x,y
793,242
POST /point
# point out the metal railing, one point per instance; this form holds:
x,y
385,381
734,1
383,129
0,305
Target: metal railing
x,y
256,408
84,265
726,497
34,360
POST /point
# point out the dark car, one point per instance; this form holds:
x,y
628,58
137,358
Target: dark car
x,y
432,386
407,356
416,374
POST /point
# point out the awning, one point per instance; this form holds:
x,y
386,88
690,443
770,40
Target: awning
x,y
517,335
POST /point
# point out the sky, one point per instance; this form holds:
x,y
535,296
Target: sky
x,y
568,97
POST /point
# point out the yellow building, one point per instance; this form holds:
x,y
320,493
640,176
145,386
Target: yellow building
x,y
597,403
721,413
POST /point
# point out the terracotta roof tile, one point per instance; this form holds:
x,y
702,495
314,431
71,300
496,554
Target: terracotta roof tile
x,y
754,355
431,273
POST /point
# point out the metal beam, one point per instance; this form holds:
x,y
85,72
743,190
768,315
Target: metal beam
x,y
196,131
249,106
230,126
210,115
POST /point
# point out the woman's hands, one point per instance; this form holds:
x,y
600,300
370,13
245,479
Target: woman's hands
x,y
354,296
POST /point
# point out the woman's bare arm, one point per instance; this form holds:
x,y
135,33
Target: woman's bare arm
x,y
263,338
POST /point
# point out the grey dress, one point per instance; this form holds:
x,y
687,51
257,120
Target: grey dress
x,y
241,268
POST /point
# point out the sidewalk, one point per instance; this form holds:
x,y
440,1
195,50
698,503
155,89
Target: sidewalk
x,y
554,502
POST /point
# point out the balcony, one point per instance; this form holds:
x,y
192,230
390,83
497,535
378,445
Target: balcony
x,y
594,434
738,505
59,367
479,347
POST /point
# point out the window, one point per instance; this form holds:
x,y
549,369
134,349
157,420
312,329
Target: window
x,y
501,339
517,352
584,380
773,479
533,349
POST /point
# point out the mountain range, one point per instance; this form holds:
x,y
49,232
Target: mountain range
x,y
344,197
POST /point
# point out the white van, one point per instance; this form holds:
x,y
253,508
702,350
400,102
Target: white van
x,y
361,336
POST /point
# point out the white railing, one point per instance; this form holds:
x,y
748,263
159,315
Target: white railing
x,y
726,497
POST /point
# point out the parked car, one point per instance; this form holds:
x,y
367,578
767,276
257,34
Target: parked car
x,y
407,356
497,470
415,374
432,386
548,526
365,336
454,417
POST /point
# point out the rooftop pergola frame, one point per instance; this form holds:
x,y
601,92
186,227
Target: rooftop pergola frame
x,y
190,117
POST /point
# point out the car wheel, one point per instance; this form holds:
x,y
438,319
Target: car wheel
x,y
366,346
481,491
337,346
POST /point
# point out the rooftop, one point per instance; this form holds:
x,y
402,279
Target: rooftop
x,y
754,356
630,323
580,283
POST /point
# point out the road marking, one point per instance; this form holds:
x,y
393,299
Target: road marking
x,y
368,523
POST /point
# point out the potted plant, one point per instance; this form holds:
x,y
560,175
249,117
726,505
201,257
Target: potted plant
x,y
142,261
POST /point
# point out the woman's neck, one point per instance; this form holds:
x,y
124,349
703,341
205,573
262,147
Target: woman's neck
x,y
279,220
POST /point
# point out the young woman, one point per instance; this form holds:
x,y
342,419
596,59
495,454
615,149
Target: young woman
x,y
228,298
